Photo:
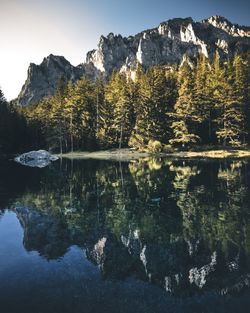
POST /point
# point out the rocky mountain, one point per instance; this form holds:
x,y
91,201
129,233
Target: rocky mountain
x,y
42,79
170,43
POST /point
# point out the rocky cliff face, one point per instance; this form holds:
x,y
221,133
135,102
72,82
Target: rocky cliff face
x,y
42,79
169,43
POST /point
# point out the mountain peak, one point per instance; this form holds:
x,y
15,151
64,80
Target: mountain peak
x,y
166,44
54,58
219,18
43,79
224,24
217,21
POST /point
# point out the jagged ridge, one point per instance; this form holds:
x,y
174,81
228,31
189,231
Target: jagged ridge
x,y
169,43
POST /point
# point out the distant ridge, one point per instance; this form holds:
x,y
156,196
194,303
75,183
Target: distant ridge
x,y
169,43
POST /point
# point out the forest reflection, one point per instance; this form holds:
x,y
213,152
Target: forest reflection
x,y
180,224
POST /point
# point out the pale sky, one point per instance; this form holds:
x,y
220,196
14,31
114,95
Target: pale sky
x,y
30,30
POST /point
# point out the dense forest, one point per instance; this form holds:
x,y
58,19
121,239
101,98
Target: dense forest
x,y
206,104
14,131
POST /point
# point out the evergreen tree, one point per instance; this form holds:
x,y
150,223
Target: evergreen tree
x,y
231,120
100,108
69,112
246,64
123,109
4,121
57,116
217,84
185,113
106,132
151,121
202,100
241,89
80,114
13,128
117,113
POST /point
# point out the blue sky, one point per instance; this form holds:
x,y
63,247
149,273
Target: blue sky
x,y
31,29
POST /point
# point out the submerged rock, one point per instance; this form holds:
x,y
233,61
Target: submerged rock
x,y
40,158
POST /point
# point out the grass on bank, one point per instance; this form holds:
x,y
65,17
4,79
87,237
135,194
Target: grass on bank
x,y
129,154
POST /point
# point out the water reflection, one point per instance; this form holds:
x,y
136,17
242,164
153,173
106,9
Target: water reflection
x,y
181,225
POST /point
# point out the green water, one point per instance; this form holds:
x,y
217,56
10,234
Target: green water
x,y
146,236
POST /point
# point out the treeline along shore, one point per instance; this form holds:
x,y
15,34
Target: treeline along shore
x,y
200,105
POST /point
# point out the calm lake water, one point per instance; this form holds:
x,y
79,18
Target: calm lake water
x,y
147,236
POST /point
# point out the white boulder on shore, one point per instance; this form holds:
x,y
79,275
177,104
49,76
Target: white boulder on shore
x,y
40,158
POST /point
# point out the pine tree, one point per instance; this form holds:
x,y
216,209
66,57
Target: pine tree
x,y
13,128
105,132
217,85
231,120
4,120
39,118
241,89
124,111
81,113
153,100
246,62
69,111
57,116
100,107
202,100
119,99
185,114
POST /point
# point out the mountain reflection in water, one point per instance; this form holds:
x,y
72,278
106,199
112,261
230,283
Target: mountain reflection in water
x,y
181,227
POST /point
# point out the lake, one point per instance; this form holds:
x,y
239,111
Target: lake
x,y
152,235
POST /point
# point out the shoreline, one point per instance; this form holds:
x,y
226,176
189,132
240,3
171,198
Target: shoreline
x,y
127,154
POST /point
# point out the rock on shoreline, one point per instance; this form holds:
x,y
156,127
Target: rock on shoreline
x,y
40,158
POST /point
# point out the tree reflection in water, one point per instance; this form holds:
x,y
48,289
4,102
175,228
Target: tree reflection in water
x,y
182,225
